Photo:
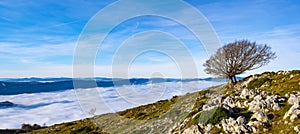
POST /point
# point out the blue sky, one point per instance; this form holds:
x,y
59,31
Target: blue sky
x,y
38,39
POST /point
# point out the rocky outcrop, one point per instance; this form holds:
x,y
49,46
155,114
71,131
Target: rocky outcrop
x,y
294,112
272,102
208,128
259,103
294,98
297,129
260,116
248,94
240,125
212,103
229,101
235,126
249,109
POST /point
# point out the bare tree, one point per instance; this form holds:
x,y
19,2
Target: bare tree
x,y
237,57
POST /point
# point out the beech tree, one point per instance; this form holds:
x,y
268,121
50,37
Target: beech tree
x,y
237,57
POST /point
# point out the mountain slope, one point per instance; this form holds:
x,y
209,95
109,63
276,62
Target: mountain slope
x,y
264,103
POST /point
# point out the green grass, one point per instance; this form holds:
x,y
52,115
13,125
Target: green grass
x,y
278,118
277,83
199,104
149,111
216,130
212,116
257,83
76,127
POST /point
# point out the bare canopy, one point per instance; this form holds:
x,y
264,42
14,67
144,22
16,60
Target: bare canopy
x,y
237,57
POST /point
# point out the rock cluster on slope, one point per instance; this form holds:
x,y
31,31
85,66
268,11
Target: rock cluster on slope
x,y
294,112
257,105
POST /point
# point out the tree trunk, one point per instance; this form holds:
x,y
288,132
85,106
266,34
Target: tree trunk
x,y
235,81
231,80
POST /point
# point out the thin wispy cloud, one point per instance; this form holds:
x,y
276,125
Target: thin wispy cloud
x,y
38,50
284,40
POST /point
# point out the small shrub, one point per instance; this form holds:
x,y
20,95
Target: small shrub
x,y
234,94
28,128
82,130
196,119
198,105
192,113
216,130
212,116
203,93
257,83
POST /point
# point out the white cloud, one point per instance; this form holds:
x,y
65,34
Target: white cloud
x,y
25,60
63,106
37,70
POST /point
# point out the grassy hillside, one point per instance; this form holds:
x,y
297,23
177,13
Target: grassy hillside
x,y
278,83
85,126
183,112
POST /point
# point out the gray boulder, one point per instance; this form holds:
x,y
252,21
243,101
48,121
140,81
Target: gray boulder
x,y
241,120
212,103
192,130
294,111
235,126
247,94
294,98
260,116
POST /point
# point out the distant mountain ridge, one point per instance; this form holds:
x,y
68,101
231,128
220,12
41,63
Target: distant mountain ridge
x,y
37,79
37,85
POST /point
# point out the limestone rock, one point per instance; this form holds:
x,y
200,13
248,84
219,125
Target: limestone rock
x,y
294,111
293,117
272,101
254,123
276,107
246,103
208,128
228,108
192,130
294,99
258,97
247,94
235,126
260,104
241,120
229,101
297,129
212,103
257,104
260,116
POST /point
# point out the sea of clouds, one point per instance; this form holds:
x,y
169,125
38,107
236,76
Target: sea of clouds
x,y
50,108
